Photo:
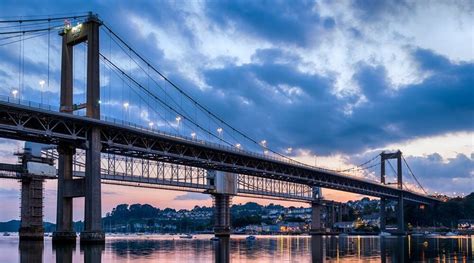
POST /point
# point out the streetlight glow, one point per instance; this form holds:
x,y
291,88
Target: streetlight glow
x,y
178,119
238,145
126,104
264,143
193,135
42,82
14,93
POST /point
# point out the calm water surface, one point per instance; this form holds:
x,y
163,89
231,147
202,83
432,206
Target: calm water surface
x,y
160,248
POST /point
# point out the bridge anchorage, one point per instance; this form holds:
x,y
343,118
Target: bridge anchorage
x,y
91,150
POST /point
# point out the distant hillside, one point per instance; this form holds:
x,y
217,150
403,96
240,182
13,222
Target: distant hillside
x,y
14,225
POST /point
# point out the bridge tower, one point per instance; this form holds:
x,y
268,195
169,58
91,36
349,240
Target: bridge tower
x,y
316,208
400,213
90,187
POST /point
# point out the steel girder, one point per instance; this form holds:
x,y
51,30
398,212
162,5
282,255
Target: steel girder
x,y
34,124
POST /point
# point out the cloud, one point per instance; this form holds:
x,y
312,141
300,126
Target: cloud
x,y
454,175
192,196
297,23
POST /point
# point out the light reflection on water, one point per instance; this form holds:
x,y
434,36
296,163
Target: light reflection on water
x,y
158,248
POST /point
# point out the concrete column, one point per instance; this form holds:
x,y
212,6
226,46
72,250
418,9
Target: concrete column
x,y
316,218
93,208
64,228
31,227
383,215
339,214
400,215
333,216
222,215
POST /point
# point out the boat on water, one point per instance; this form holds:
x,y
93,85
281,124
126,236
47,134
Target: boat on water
x,y
250,238
187,236
6,234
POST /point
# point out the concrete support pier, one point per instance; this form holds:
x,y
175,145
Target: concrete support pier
x,y
316,207
93,208
400,216
383,216
31,227
64,228
316,228
222,204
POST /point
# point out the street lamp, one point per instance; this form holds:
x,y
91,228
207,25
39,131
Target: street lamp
x,y
151,124
289,150
14,92
178,119
238,146
193,135
41,82
220,130
126,105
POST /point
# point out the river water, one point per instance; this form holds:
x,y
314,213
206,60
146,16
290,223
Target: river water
x,y
165,248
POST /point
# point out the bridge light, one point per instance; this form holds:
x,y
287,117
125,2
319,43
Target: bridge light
x,y
178,119
151,124
14,93
193,135
100,102
42,82
265,152
238,146
125,105
263,143
289,150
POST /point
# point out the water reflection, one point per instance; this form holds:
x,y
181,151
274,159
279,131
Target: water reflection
x,y
143,249
222,250
30,251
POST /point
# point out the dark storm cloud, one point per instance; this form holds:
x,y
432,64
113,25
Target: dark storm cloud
x,y
455,175
315,119
295,22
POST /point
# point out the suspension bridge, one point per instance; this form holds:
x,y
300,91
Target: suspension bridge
x,y
119,119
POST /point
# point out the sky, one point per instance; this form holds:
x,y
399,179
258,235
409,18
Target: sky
x,y
337,81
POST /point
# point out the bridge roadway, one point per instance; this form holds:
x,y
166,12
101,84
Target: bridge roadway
x,y
28,122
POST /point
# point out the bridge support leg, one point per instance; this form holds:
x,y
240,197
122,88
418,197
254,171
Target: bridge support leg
x,y
316,219
93,213
222,215
31,227
400,216
64,230
383,216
